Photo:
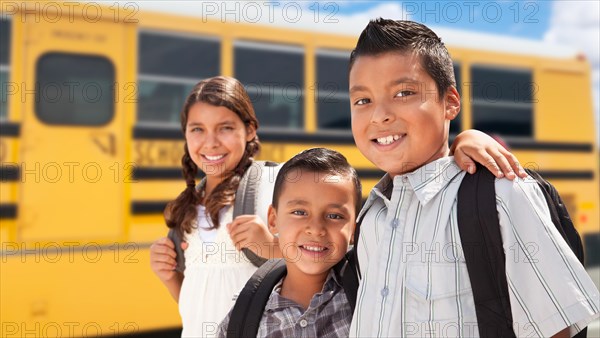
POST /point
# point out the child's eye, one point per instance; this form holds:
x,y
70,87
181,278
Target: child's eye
x,y
299,213
361,102
335,216
405,93
227,128
196,130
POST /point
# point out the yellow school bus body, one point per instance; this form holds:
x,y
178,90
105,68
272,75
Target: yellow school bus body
x,y
75,257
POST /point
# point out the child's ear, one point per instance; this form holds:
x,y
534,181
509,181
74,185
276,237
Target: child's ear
x,y
452,100
250,133
272,220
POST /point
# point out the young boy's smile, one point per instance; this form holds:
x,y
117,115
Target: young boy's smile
x,y
399,121
314,218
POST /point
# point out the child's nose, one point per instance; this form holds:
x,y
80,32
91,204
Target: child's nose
x,y
211,141
316,228
382,114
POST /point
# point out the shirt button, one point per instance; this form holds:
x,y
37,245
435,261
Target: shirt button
x,y
405,179
395,223
303,323
385,291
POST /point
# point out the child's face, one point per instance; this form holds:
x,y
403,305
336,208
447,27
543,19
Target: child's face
x,y
315,219
216,139
399,121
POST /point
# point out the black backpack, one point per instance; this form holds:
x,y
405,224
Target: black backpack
x,y
250,304
479,229
245,204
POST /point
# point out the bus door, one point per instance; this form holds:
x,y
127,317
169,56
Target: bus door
x,y
73,130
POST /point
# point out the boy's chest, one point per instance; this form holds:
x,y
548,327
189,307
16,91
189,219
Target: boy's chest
x,y
414,263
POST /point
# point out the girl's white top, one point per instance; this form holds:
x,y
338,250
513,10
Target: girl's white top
x,y
215,271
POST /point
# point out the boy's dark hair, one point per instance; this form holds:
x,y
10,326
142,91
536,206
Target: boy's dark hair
x,y
318,160
383,35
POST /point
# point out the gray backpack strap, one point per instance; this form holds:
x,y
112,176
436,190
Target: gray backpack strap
x,y
174,236
180,258
245,200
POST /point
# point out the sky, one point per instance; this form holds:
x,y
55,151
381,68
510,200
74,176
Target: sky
x,y
528,19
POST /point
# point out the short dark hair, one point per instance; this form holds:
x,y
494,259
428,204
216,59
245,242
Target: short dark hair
x,y
383,35
319,160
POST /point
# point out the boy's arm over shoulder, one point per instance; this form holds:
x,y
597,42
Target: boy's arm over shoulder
x,y
549,288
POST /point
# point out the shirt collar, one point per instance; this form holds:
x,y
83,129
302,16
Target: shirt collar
x,y
425,181
430,179
276,301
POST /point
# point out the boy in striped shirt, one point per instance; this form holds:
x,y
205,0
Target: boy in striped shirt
x,y
414,278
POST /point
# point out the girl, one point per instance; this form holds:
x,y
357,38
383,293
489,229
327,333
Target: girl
x,y
220,128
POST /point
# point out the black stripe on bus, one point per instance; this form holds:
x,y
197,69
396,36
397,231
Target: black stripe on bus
x,y
159,333
157,133
9,173
150,207
549,146
370,173
10,129
152,133
566,175
174,173
547,174
159,174
8,211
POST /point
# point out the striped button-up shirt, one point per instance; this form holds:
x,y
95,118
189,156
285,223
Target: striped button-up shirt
x,y
415,281
328,314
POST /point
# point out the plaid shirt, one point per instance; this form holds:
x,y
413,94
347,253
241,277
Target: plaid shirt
x,y
328,314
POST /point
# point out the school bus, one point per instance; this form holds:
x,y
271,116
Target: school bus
x,y
90,144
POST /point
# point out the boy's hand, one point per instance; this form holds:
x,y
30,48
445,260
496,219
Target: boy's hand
x,y
249,231
162,258
473,145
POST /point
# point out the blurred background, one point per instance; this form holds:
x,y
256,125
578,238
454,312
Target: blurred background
x,y
90,142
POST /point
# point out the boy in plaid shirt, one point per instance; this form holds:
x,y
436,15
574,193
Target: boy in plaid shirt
x,y
316,199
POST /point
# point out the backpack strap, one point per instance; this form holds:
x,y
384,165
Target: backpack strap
x,y
479,229
174,236
562,221
559,214
245,200
349,272
250,304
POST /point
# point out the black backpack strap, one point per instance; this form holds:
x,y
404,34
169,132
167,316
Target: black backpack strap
x,y
250,304
245,200
559,214
479,229
174,236
348,271
354,251
562,221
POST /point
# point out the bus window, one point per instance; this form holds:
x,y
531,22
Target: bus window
x,y
455,126
169,67
502,101
333,100
74,89
274,78
5,30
